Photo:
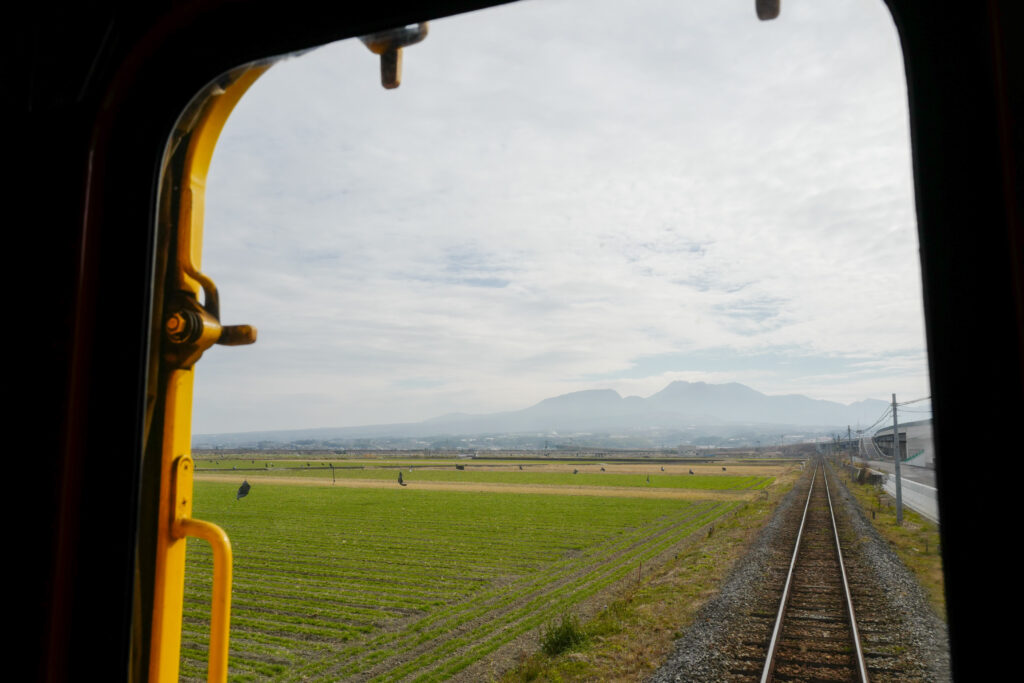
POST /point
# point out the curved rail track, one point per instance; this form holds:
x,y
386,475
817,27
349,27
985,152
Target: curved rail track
x,y
815,634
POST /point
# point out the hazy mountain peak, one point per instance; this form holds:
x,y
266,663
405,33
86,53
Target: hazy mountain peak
x,y
603,395
680,405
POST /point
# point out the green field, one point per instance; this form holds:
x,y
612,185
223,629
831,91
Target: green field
x,y
414,473
385,584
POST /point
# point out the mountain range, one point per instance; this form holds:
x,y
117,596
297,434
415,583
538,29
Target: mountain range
x,y
680,406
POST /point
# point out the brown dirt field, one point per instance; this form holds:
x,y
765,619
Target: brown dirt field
x,y
639,467
647,468
618,468
482,487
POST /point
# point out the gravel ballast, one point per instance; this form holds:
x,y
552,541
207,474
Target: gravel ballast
x,y
902,636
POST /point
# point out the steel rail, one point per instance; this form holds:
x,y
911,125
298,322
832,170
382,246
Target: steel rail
x,y
861,666
769,664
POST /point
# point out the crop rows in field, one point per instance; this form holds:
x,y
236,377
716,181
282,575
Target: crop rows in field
x,y
386,584
411,475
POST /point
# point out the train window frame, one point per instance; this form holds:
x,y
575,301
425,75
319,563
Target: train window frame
x,y
100,159
184,276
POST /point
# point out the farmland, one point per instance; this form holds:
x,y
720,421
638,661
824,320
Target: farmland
x,y
704,477
337,581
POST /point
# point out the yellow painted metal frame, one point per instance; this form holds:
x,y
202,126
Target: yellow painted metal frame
x,y
176,463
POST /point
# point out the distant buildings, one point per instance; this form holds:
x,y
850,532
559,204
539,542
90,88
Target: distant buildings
x,y
915,442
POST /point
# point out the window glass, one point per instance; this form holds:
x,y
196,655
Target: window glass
x,y
653,204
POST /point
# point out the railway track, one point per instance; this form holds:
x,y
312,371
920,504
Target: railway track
x,y
815,635
901,638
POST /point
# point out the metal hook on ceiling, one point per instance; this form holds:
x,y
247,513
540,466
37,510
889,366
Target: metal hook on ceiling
x,y
388,44
767,9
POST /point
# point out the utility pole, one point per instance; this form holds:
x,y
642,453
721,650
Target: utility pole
x,y
896,460
848,448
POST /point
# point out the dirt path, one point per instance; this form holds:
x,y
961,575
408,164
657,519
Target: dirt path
x,y
563,467
494,487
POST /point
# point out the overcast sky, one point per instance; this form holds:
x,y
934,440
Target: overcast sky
x,y
564,196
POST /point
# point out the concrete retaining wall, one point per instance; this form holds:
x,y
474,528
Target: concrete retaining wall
x,y
919,497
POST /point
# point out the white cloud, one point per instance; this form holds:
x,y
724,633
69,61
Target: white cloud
x,y
551,195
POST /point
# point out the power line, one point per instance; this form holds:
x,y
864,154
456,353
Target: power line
x,y
885,414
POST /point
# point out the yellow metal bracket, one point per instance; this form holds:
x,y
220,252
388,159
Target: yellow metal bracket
x,y
191,328
188,329
182,525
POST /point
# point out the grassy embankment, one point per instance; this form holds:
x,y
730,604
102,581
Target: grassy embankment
x,y
634,634
916,542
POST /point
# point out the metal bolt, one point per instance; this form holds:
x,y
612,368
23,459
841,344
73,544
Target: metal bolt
x,y
176,325
183,326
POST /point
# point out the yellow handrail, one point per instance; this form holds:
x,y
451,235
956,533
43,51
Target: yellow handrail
x,y
220,604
